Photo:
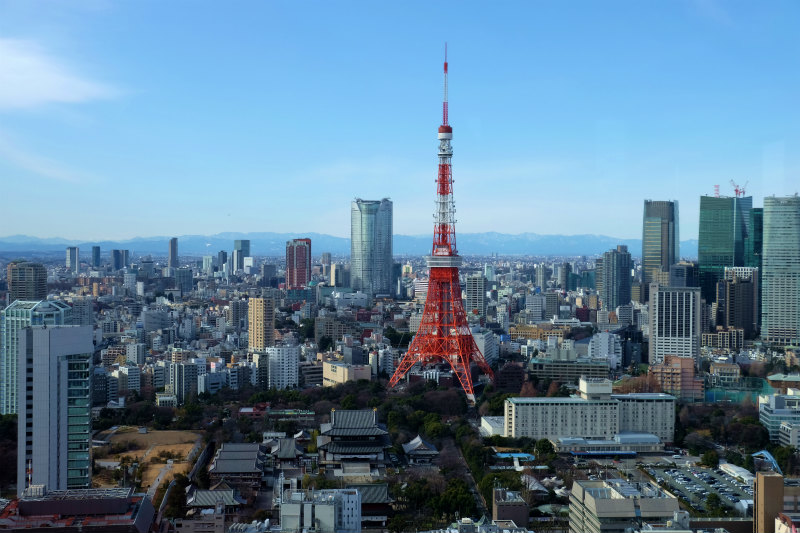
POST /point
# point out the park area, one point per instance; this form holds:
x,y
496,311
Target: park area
x,y
156,452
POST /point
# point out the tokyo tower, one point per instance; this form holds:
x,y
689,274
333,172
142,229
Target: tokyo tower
x,y
443,334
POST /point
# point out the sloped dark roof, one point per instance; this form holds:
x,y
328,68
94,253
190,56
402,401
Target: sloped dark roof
x,y
286,449
419,447
372,493
354,447
209,498
347,423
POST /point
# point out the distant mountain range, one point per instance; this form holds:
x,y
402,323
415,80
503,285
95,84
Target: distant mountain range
x,y
274,244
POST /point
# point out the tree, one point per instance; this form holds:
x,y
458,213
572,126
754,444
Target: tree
x,y
544,447
710,459
325,343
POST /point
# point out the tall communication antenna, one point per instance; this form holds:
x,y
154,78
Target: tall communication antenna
x,y
443,334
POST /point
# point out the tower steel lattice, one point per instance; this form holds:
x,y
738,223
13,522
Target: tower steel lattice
x,y
443,334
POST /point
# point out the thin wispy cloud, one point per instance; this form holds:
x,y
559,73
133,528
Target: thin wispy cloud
x,y
25,160
30,77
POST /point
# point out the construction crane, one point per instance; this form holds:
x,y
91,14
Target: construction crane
x,y
738,191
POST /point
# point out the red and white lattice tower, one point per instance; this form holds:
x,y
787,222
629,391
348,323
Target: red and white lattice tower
x,y
443,334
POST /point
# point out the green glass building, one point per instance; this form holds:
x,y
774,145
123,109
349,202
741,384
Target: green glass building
x,y
724,227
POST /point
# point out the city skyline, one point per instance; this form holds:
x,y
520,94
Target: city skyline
x,y
701,99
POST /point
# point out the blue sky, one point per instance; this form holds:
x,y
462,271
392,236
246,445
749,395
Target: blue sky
x,y
139,118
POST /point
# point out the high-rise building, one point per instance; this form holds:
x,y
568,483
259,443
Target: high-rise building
x,y
337,275
83,311
117,259
298,263
222,260
754,242
54,422
564,270
325,259
780,307
615,272
95,257
183,280
284,364
475,304
724,226
371,246
675,325
738,300
18,315
660,240
172,258
26,281
73,260
260,323
684,274
241,249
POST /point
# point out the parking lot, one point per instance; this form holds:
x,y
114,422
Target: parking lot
x,y
694,484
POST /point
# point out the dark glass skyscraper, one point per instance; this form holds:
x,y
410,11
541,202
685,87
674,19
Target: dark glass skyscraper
x,y
660,240
754,241
615,273
724,225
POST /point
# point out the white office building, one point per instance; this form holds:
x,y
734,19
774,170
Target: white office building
x,y
675,325
284,363
54,388
780,306
594,414
605,345
18,315
323,511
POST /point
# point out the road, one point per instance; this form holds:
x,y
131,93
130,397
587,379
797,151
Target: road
x,y
473,487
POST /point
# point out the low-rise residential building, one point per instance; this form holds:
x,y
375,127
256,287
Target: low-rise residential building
x,y
725,375
321,511
615,505
775,409
676,376
336,373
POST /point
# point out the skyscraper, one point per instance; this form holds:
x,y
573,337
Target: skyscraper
x,y
675,325
241,249
754,242
117,259
222,259
298,263
660,240
172,258
371,246
95,257
26,281
724,226
260,323
54,430
18,315
73,262
475,304
780,308
684,274
615,273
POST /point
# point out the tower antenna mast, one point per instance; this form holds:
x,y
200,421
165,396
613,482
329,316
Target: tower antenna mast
x,y
444,334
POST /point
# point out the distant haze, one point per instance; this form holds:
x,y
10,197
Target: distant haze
x,y
274,244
